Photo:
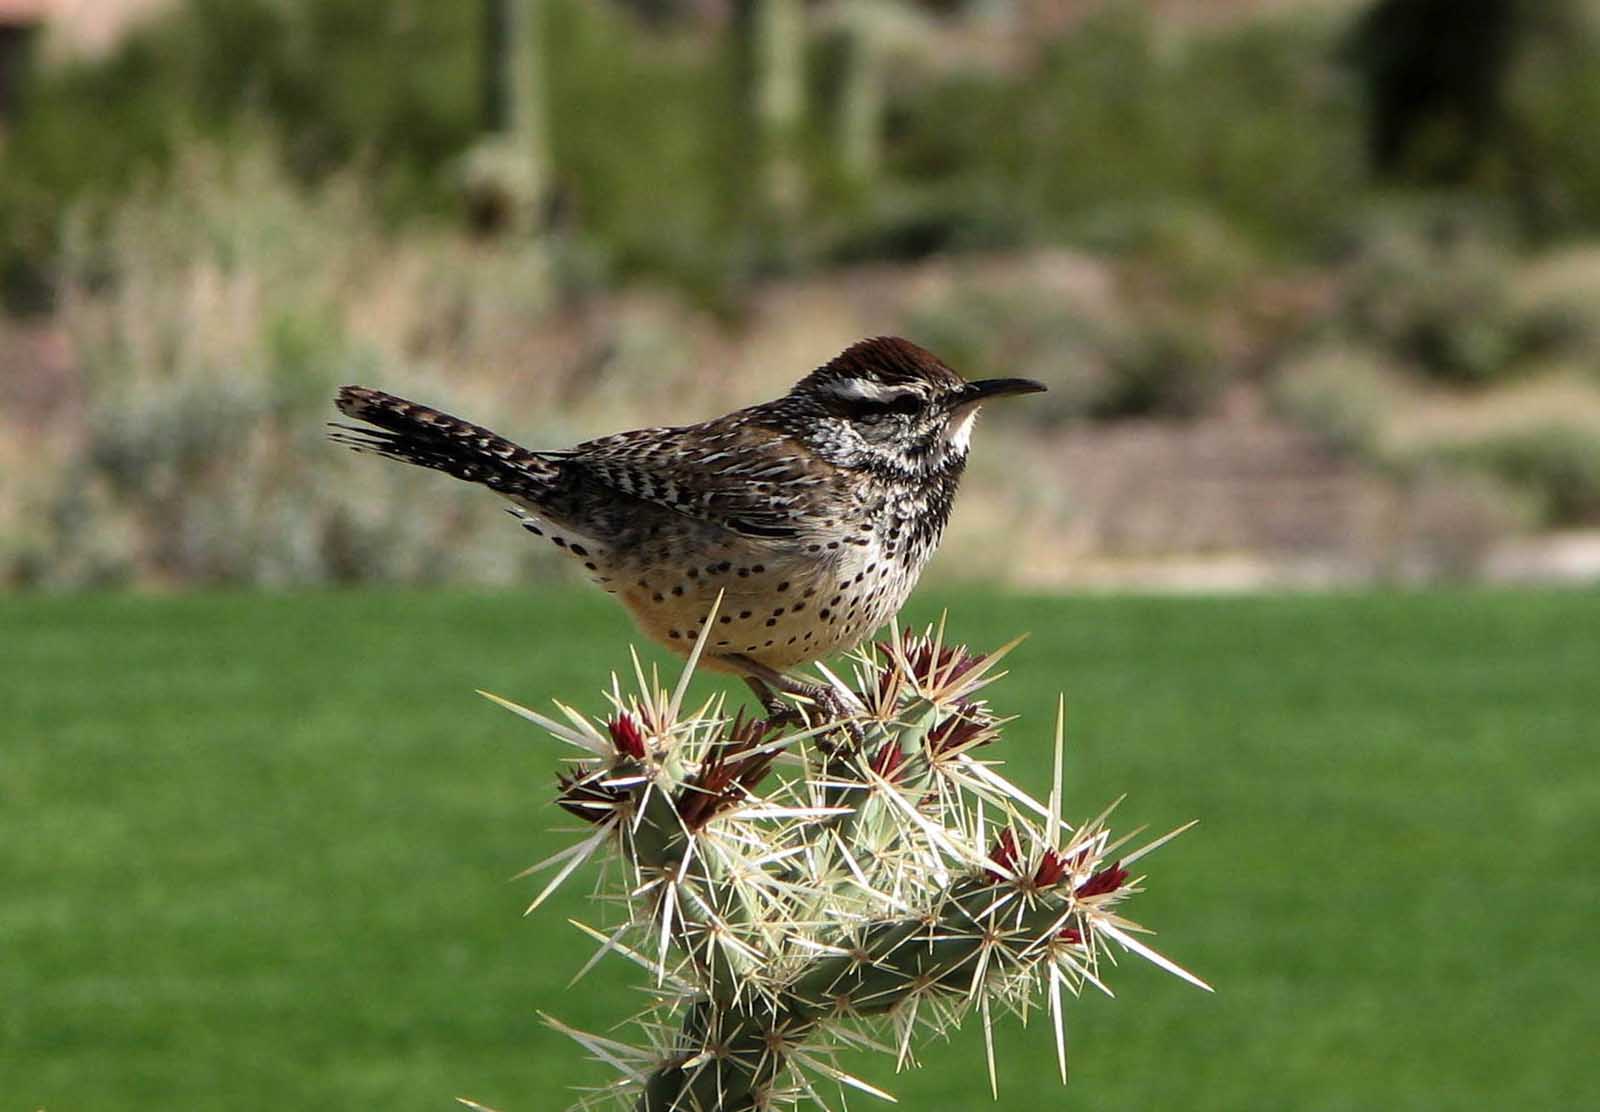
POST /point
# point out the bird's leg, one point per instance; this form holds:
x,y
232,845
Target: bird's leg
x,y
771,685
778,711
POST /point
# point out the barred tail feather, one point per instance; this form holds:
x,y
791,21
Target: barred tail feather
x,y
414,433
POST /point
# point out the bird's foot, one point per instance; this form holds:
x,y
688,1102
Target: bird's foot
x,y
784,699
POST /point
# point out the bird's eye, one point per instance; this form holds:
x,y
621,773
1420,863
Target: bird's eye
x,y
902,404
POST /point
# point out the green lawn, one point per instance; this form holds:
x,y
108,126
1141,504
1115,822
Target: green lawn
x,y
254,851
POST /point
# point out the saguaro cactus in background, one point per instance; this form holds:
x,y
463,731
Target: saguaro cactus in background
x,y
506,173
862,96
772,44
791,888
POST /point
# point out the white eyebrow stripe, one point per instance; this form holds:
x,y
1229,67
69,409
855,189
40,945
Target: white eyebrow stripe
x,y
865,390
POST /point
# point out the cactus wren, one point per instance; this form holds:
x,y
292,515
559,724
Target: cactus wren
x,y
813,514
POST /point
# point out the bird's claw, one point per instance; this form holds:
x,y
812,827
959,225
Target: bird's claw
x,y
827,706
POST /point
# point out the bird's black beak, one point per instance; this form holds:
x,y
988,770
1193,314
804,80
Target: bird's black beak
x,y
974,392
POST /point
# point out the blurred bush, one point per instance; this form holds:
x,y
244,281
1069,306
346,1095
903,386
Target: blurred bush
x,y
1491,95
1342,394
390,88
211,318
1436,294
1554,91
251,201
1445,292
1558,465
1558,299
1162,363
1253,122
1452,521
386,82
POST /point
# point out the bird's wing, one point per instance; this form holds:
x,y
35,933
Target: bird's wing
x,y
752,481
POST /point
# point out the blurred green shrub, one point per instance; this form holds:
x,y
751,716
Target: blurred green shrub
x,y
390,82
1162,362
899,224
1445,291
1252,122
1559,465
211,322
1554,171
1453,519
1558,297
1121,121
1435,292
1183,245
640,132
1493,97
1342,394
1552,167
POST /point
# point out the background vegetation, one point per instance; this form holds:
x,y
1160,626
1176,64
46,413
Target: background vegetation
x,y
1170,219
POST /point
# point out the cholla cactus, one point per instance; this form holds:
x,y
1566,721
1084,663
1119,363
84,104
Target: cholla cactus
x,y
795,889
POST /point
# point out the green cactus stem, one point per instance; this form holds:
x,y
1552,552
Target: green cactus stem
x,y
792,890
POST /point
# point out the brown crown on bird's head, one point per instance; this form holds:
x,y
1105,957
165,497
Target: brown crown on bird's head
x,y
888,404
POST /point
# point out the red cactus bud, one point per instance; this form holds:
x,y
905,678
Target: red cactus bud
x,y
951,661
887,761
582,795
627,735
1077,856
1004,854
957,662
730,771
955,734
743,737
1108,879
1070,934
744,734
1051,869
